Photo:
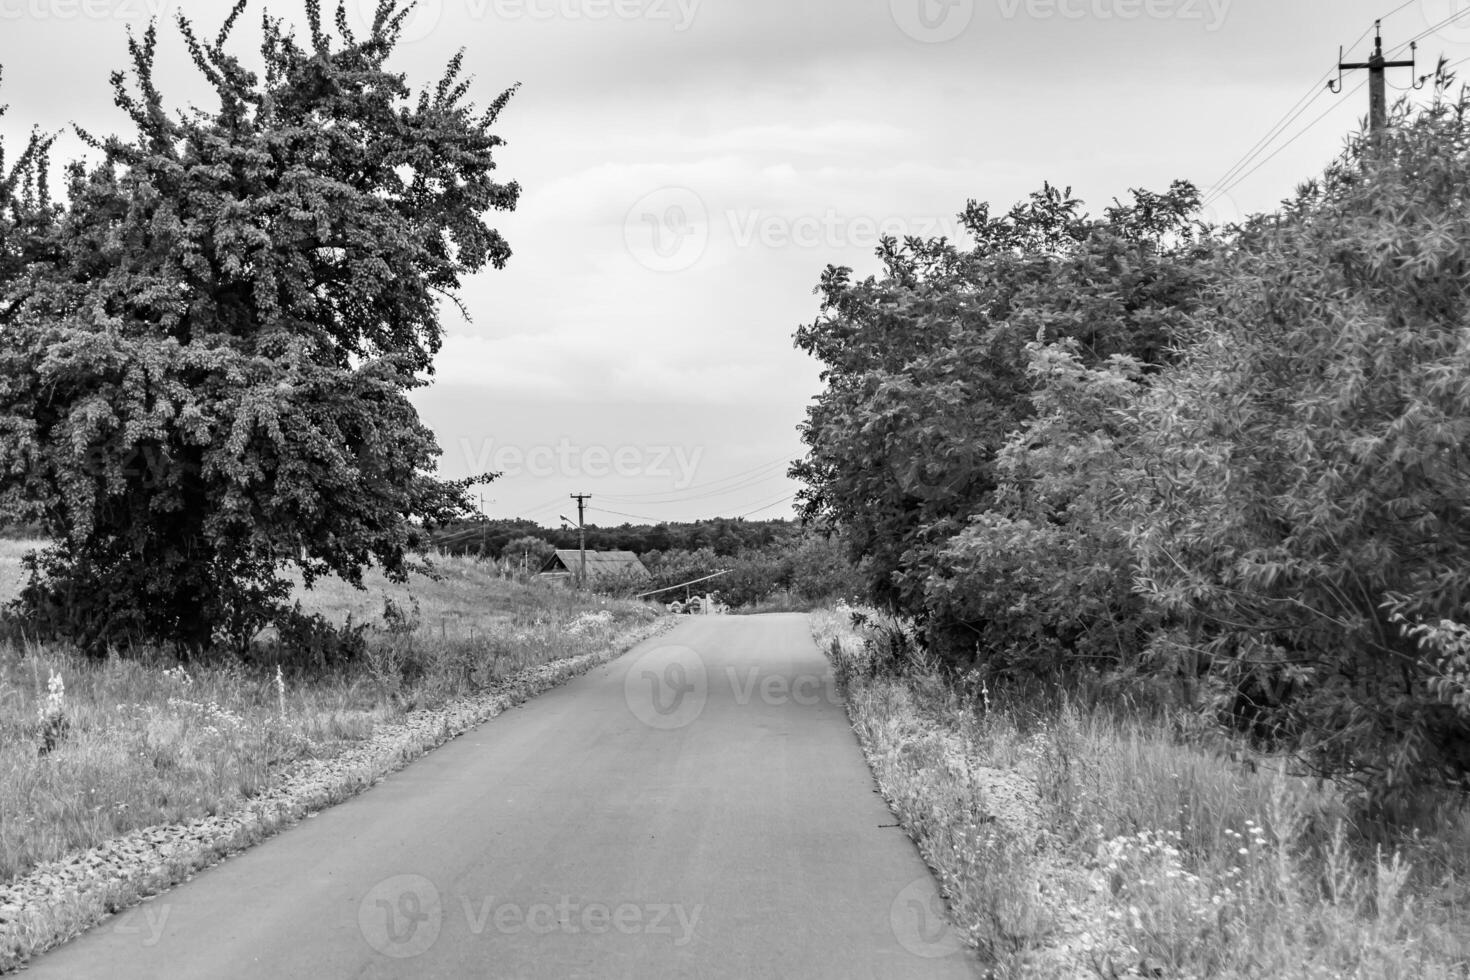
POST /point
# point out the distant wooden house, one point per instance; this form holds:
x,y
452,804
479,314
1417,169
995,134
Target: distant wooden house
x,y
601,565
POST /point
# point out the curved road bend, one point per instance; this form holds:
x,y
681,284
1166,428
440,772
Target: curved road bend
x,y
696,808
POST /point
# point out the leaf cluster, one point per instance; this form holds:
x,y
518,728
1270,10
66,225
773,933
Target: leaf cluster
x,y
206,359
1137,448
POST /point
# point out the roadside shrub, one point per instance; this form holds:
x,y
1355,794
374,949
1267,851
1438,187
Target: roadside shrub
x,y
1307,509
310,641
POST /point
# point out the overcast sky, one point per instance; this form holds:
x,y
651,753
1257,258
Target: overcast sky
x,y
689,167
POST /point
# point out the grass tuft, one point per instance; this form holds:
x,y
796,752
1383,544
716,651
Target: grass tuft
x,y
1102,842
142,742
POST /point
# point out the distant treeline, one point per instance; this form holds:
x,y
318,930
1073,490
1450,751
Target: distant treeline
x,y
759,563
721,535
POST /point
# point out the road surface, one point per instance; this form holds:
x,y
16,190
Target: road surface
x,y
697,808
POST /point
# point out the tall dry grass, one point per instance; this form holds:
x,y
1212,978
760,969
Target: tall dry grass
x,y
1150,847
144,740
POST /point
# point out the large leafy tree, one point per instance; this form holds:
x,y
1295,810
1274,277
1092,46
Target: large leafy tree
x,y
926,366
208,380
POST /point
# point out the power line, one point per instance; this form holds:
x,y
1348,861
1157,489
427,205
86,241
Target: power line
x,y
656,520
767,506
555,502
1283,146
700,486
636,517
1406,3
676,497
722,491
1292,115
1313,93
1430,30
1238,172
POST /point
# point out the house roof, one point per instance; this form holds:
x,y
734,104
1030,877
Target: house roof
x,y
598,562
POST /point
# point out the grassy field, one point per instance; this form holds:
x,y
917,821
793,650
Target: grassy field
x,y
143,742
1076,843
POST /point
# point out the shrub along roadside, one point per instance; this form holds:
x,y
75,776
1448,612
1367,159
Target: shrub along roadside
x,y
1138,451
1076,842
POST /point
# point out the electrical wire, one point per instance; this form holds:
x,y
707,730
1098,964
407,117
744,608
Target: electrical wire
x,y
1313,93
636,517
1425,33
1429,30
553,505
1238,172
1406,3
766,507
656,520
780,461
1298,136
1290,116
720,492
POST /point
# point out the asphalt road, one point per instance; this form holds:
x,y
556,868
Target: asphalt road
x,y
697,808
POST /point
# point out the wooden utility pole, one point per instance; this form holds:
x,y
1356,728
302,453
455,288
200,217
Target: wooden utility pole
x,y
1376,65
581,499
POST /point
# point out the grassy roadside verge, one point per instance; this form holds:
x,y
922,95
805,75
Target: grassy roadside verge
x,y
1077,843
158,769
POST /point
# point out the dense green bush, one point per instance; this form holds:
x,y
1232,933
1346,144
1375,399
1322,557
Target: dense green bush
x,y
311,642
927,370
1308,501
205,368
1041,583
1232,461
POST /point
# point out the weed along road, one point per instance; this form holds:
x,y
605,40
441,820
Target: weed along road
x,y
697,808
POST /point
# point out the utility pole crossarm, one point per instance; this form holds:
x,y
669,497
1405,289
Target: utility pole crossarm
x,y
1376,66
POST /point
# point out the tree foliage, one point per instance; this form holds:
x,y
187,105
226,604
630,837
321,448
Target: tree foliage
x,y
926,367
1043,578
534,552
722,535
1310,509
1233,460
207,378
